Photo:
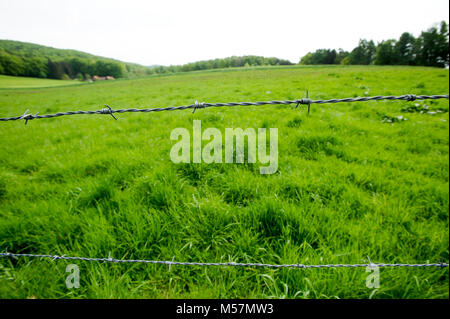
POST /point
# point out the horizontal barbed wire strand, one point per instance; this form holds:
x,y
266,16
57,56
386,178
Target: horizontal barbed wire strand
x,y
228,264
306,101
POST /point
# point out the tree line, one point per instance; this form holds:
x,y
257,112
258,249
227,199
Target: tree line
x,y
431,48
230,62
33,60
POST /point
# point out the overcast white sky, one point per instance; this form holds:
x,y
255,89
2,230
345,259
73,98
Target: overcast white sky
x,y
176,32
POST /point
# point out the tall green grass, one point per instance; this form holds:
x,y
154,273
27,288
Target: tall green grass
x,y
348,186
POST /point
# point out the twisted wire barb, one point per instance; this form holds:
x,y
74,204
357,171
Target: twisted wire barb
x,y
227,264
305,101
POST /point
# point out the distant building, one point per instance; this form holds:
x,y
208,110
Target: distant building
x,y
102,78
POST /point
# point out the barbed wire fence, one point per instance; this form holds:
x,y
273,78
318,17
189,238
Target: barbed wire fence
x,y
201,105
304,101
225,264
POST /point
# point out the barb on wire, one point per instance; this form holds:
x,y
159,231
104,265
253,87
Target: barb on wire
x,y
198,105
305,101
26,116
308,101
230,263
108,110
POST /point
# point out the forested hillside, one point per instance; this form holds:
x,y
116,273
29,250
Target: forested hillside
x,y
33,60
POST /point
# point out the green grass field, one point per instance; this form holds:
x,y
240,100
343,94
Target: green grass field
x,y
13,82
349,185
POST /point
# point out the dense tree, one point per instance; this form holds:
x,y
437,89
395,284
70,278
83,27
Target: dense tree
x,y
104,68
341,56
55,70
79,65
11,64
431,48
321,56
364,53
27,59
234,61
404,49
386,53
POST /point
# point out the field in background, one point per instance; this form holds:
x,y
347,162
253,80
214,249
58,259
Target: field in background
x,y
12,82
350,185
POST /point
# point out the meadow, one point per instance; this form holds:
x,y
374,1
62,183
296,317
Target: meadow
x,y
13,82
352,182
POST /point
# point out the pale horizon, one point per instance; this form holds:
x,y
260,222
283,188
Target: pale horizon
x,y
176,32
